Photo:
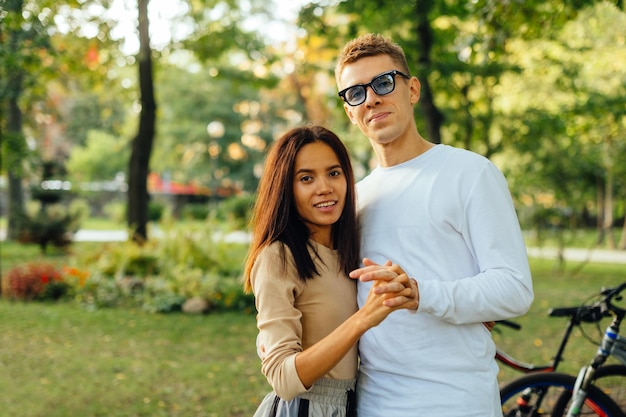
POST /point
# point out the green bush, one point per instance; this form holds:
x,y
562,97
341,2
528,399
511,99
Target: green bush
x,y
159,276
122,259
158,296
162,274
195,211
115,211
155,211
52,224
99,291
236,210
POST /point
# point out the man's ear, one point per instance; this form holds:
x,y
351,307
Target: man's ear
x,y
348,110
415,88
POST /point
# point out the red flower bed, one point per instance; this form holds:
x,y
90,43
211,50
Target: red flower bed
x,y
30,281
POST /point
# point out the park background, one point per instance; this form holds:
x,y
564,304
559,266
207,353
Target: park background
x,y
158,131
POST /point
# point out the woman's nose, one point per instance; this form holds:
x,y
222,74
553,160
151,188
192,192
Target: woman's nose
x,y
325,187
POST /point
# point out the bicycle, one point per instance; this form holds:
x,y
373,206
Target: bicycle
x,y
545,392
612,344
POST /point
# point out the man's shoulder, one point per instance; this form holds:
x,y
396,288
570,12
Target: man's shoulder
x,y
462,153
460,159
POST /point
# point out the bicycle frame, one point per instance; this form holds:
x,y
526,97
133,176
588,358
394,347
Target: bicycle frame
x,y
619,349
583,389
613,344
577,315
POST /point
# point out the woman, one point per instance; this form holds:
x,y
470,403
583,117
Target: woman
x,y
304,244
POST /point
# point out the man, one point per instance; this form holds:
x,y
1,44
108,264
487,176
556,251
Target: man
x,y
446,216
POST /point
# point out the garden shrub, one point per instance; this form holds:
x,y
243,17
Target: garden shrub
x,y
158,296
163,273
74,277
236,210
155,211
100,291
79,207
195,211
55,225
115,211
123,259
230,297
34,281
159,276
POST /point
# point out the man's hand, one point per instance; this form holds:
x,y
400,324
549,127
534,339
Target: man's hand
x,y
390,279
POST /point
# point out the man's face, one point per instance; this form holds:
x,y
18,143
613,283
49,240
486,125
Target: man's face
x,y
382,118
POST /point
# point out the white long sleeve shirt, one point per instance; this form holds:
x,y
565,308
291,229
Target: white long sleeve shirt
x,y
447,218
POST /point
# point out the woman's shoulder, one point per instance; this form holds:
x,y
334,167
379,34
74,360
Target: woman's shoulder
x,y
273,256
275,263
275,249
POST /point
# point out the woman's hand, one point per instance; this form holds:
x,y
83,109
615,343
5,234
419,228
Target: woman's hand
x,y
401,291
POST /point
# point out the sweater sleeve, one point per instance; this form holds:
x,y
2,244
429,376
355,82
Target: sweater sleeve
x,y
502,286
280,329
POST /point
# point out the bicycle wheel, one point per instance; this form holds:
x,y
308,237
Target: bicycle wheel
x,y
537,395
610,379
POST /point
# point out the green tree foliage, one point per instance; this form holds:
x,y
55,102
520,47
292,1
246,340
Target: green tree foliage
x,y
31,56
91,111
568,115
535,86
467,53
188,150
101,158
23,48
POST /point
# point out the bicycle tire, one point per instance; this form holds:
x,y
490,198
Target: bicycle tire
x,y
551,385
610,379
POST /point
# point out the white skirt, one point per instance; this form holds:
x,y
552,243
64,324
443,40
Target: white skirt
x,y
326,398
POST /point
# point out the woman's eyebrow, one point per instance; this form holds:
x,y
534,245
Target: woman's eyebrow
x,y
311,170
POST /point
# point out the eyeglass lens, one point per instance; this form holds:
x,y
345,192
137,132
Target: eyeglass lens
x,y
382,85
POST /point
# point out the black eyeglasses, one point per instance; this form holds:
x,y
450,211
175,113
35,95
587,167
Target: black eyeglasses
x,y
382,84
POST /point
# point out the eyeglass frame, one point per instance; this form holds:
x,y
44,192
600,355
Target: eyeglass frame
x,y
393,74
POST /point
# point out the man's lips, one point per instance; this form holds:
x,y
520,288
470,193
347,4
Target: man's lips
x,y
378,116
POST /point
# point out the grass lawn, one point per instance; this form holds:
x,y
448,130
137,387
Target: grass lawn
x,y
59,360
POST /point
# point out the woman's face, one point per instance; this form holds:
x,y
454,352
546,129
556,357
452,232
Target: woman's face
x,y
319,189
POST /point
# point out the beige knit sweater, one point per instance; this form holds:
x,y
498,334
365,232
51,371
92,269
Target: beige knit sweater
x,y
293,315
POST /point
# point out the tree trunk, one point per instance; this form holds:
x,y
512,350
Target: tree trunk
x,y
13,139
432,115
622,241
601,210
608,211
137,214
609,166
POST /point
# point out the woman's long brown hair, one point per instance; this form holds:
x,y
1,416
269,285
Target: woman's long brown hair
x,y
275,218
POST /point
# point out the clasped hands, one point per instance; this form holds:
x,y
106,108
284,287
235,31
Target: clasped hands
x,y
402,291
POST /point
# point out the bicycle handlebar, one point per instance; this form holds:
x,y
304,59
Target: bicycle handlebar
x,y
595,312
587,314
614,294
509,323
